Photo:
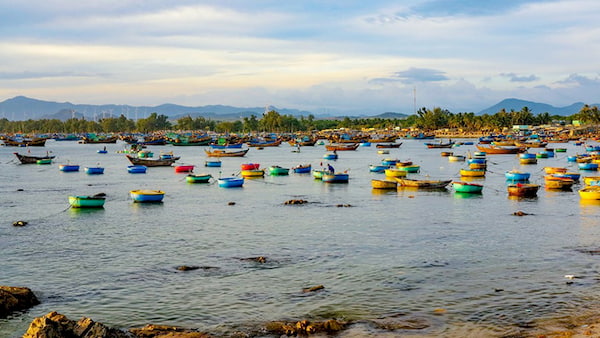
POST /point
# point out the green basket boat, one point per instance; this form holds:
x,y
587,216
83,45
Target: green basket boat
x,y
464,187
96,201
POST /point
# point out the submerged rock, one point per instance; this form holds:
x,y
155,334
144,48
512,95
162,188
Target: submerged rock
x,y
20,223
156,331
304,327
295,202
313,288
187,267
259,259
520,213
16,298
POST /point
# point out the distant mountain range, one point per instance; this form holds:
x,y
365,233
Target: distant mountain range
x,y
24,108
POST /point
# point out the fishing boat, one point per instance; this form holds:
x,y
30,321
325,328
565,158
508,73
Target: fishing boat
x,y
465,187
477,166
528,160
34,142
212,163
102,151
94,170
28,159
554,170
184,168
388,145
318,174
335,177
137,169
95,201
515,175
225,153
523,189
249,166
377,168
472,172
499,150
341,146
68,167
302,169
591,180
542,154
437,145
588,166
166,156
424,184
446,153
389,161
383,184
383,152
330,156
44,161
456,158
395,172
252,173
201,178
590,193
562,183
227,145
230,182
152,162
477,160
571,175
413,168
275,143
147,196
276,170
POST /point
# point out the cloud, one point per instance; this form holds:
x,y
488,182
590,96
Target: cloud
x,y
516,78
413,75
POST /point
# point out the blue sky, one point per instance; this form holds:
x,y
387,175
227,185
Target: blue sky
x,y
323,56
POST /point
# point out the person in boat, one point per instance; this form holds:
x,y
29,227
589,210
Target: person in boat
x,y
334,151
330,168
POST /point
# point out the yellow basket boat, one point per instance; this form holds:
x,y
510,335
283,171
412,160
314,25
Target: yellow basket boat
x,y
590,193
472,172
383,184
391,172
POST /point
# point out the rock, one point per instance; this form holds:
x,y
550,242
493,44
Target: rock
x,y
15,299
313,288
231,203
343,205
304,327
259,259
56,325
520,213
20,223
295,202
164,331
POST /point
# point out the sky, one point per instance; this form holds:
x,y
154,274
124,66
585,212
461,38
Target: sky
x,y
326,56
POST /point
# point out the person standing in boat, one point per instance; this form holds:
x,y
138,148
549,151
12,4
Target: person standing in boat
x,y
330,168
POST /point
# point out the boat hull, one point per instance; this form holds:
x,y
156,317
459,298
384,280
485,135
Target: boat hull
x,y
470,188
230,182
383,184
523,190
335,178
86,201
198,178
94,170
147,196
136,169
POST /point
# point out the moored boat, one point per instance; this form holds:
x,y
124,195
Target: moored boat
x,y
249,166
523,189
465,187
590,193
68,167
515,175
212,163
29,159
230,182
44,161
167,162
330,156
200,178
377,168
184,168
413,168
302,169
383,184
147,196
588,166
395,172
472,172
571,175
95,201
456,158
499,150
276,170
318,174
591,180
341,146
335,177
225,153
426,184
137,169
252,173
562,183
94,170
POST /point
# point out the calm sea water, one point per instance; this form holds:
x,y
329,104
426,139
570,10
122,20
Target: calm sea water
x,y
404,252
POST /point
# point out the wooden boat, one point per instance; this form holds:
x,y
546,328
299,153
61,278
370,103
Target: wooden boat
x,y
152,162
249,173
111,139
213,163
497,150
95,201
34,142
249,166
472,172
201,178
553,182
523,190
515,175
190,141
230,182
44,161
446,153
94,170
302,169
184,168
28,159
383,184
437,145
426,184
590,193
335,177
395,172
465,187
276,170
275,143
341,147
225,153
330,156
147,196
137,169
554,170
227,145
68,167
388,145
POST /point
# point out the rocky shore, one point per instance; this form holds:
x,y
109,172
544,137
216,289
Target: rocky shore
x,y
14,298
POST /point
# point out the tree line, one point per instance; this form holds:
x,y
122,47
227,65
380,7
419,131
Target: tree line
x,y
272,121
